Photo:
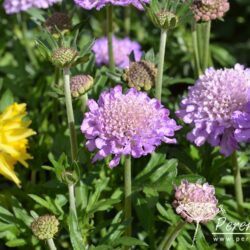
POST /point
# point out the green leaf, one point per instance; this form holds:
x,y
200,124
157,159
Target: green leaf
x,y
74,231
6,100
16,243
129,241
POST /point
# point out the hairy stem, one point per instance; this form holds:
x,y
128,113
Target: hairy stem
x,y
70,114
206,31
237,183
128,192
197,63
159,78
110,37
72,200
51,244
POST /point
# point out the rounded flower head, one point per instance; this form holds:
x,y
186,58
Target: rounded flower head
x,y
195,202
80,84
126,124
15,6
206,10
211,104
14,132
45,227
141,75
122,49
64,57
98,4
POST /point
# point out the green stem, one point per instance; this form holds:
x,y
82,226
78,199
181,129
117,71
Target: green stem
x,y
127,20
72,200
128,192
237,183
110,37
84,100
70,114
159,78
206,31
170,237
51,244
196,51
73,139
26,42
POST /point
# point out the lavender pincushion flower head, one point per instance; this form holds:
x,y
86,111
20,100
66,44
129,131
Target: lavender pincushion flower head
x,y
122,49
207,10
126,124
16,6
211,104
98,4
195,202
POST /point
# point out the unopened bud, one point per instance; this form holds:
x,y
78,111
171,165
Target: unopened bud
x,y
166,20
45,227
207,10
64,57
80,84
141,75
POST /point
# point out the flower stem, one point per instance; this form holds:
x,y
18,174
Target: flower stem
x,y
159,78
207,31
170,237
70,114
84,100
237,183
51,244
127,21
196,50
73,139
128,192
110,37
72,200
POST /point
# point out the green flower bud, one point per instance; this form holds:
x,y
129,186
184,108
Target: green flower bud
x,y
166,20
141,75
45,227
80,84
58,22
64,57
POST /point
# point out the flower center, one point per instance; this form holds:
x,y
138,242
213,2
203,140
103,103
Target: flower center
x,y
127,116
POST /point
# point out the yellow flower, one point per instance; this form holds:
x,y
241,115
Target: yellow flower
x,y
14,131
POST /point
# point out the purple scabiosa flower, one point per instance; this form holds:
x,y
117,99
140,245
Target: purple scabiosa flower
x,y
15,6
195,202
210,106
98,4
126,124
122,49
242,124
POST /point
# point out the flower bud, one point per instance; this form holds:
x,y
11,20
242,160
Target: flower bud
x,y
58,22
64,57
207,10
45,227
80,84
141,75
195,202
166,19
